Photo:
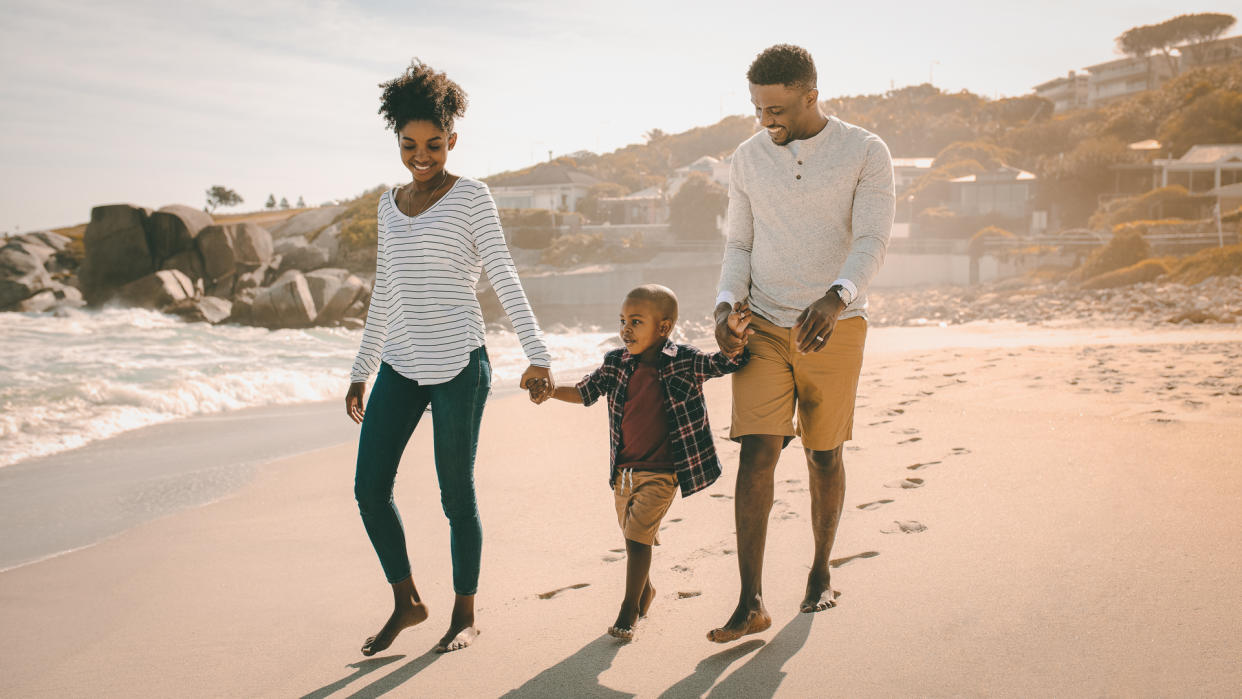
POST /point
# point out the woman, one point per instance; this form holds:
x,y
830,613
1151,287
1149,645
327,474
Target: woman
x,y
424,334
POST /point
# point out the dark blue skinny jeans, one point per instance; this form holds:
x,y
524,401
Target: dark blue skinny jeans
x,y
393,411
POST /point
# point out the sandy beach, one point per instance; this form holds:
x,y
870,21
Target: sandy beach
x,y
1053,517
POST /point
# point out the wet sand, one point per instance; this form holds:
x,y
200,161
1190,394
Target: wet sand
x,y
1049,518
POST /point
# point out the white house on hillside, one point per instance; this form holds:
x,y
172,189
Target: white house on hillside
x,y
553,186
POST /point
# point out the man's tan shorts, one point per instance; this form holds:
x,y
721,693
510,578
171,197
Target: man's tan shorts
x,y
823,384
642,498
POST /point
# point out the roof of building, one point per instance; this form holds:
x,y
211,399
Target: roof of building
x,y
922,163
1122,61
1213,153
1149,144
1018,175
543,175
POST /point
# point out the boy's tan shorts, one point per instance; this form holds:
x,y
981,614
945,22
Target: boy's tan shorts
x,y
642,498
823,384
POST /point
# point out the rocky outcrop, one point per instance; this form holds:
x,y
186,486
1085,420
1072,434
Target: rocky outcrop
x,y
22,273
231,251
209,309
305,224
285,304
117,251
172,230
158,291
298,253
334,291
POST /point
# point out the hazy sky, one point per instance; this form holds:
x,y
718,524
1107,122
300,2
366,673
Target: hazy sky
x,y
151,102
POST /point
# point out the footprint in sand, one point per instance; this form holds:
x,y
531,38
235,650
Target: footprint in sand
x,y
617,550
894,411
722,495
675,519
559,590
922,465
687,594
907,430
613,558
906,483
875,505
908,526
881,422
911,440
909,402
958,451
679,568
838,562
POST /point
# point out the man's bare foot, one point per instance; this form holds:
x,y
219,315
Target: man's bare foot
x,y
456,639
743,622
644,602
402,618
819,595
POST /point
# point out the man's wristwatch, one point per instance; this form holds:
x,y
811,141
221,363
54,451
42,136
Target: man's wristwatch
x,y
840,292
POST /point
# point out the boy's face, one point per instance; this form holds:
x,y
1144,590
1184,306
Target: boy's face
x,y
643,327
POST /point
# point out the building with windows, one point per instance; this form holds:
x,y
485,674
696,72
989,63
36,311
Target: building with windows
x,y
1203,168
1066,93
554,186
1005,191
1114,80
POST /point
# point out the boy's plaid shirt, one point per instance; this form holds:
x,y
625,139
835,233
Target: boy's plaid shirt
x,y
683,369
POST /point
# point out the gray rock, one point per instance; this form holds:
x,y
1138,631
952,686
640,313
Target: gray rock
x,y
296,253
49,239
329,240
116,250
158,290
334,291
307,222
188,262
208,309
68,297
232,249
21,272
40,302
285,304
172,230
353,323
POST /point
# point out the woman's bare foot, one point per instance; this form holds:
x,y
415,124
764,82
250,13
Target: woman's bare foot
x,y
744,621
456,639
403,617
462,631
819,595
625,633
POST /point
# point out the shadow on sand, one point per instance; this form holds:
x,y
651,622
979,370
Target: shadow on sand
x,y
384,684
762,674
360,668
705,673
575,676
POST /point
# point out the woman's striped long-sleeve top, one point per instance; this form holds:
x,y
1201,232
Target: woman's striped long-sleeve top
x,y
424,319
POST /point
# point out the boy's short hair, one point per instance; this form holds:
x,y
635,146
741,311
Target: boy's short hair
x,y
660,296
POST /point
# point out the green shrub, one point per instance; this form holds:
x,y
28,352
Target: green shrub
x,y
1146,271
1209,262
358,223
1127,247
1172,202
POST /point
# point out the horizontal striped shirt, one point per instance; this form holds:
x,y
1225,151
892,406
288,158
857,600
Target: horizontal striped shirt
x,y
424,319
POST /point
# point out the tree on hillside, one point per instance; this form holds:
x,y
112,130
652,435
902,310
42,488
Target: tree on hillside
x,y
219,195
1213,118
693,212
271,202
1186,32
284,203
589,205
301,202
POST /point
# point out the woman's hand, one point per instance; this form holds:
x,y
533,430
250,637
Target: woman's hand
x,y
538,380
353,401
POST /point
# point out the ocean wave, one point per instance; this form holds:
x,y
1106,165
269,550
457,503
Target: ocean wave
x,y
74,379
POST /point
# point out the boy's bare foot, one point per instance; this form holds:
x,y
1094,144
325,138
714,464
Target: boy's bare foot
x,y
456,639
644,602
819,595
402,618
744,621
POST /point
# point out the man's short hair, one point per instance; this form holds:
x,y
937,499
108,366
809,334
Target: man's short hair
x,y
783,64
661,297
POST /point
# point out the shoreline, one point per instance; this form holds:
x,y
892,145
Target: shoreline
x,y
1018,519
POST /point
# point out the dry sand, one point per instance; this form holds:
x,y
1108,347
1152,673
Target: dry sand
x,y
1020,520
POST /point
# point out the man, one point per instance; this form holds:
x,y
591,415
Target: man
x,y
810,213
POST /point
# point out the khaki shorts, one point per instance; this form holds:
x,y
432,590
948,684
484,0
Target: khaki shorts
x,y
822,384
642,498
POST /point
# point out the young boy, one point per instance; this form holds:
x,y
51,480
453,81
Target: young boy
x,y
658,423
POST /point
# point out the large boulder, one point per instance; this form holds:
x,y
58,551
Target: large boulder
x,y
306,223
285,304
207,309
172,230
230,250
116,250
297,253
329,240
158,290
49,239
22,274
334,291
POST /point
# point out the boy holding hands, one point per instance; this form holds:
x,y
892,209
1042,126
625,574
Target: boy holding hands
x,y
661,439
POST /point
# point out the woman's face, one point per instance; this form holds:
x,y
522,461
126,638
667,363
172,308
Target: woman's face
x,y
424,149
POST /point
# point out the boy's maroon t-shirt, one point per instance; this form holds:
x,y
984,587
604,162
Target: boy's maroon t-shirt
x,y
645,425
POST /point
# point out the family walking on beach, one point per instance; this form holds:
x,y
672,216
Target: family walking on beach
x,y
810,212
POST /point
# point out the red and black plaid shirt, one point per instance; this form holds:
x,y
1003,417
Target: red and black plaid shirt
x,y
683,369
